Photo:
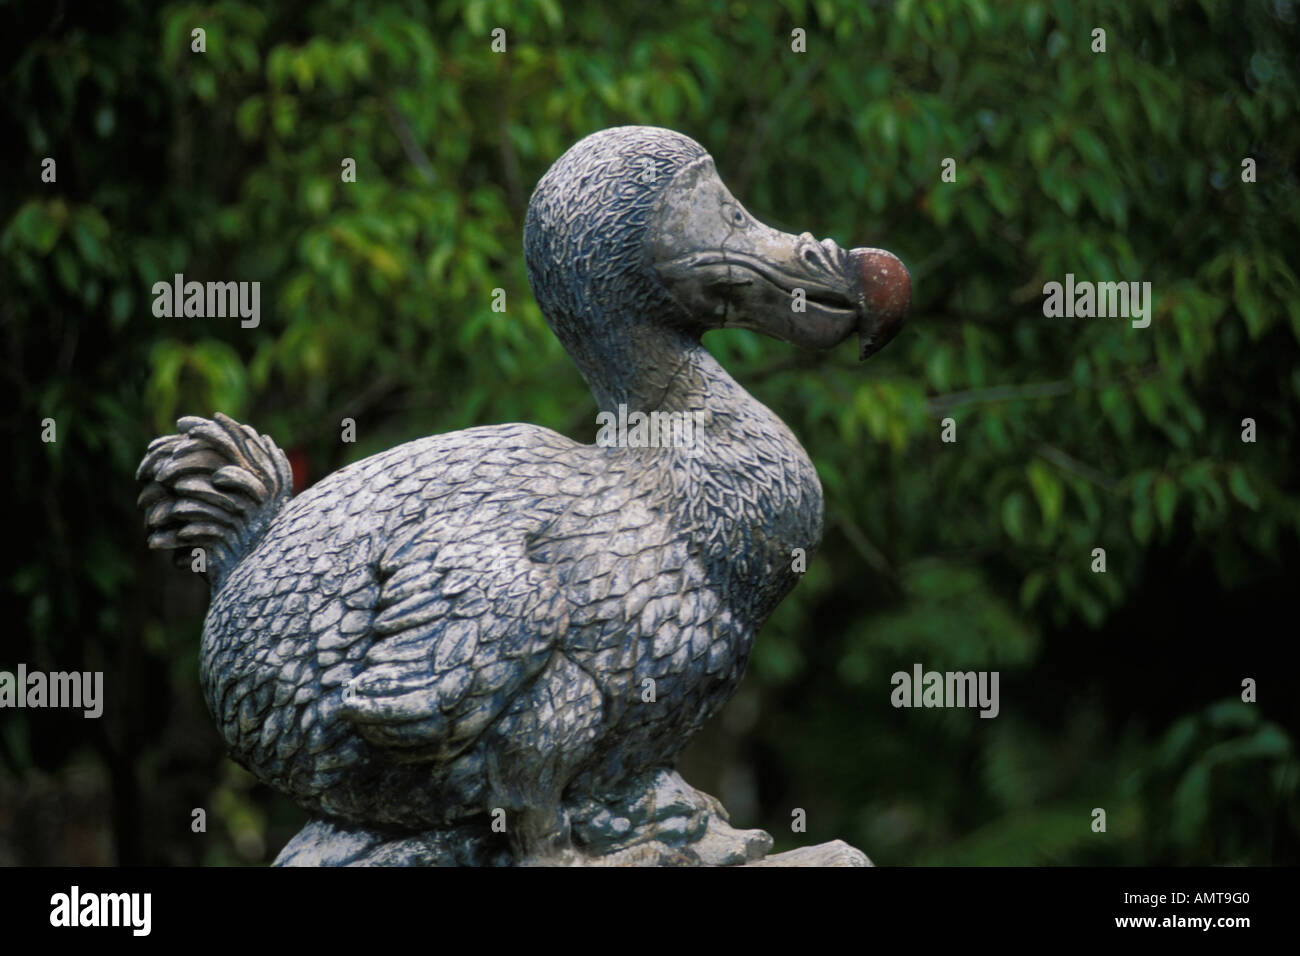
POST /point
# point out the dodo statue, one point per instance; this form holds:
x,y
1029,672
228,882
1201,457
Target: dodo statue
x,y
489,647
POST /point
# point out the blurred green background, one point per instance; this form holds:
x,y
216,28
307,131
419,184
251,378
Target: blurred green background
x,y
1119,690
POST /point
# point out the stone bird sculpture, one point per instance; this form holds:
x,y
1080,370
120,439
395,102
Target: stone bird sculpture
x,y
490,646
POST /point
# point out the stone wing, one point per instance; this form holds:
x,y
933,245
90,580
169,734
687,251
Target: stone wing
x,y
460,627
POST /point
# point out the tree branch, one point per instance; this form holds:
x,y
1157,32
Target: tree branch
x,y
404,136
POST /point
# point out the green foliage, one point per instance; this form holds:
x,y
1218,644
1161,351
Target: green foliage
x,y
1072,434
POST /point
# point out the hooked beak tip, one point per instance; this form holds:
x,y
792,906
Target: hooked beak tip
x,y
884,293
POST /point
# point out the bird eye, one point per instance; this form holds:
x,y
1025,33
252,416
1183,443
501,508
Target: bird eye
x,y
733,214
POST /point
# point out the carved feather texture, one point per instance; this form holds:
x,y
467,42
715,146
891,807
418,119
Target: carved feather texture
x,y
499,617
214,485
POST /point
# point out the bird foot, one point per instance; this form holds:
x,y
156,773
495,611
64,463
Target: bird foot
x,y
660,820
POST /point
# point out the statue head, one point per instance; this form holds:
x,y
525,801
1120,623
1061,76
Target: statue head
x,y
631,233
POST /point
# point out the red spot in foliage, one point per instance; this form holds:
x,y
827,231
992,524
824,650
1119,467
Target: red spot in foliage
x,y
301,465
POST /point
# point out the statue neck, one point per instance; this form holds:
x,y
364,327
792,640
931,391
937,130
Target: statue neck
x,y
744,484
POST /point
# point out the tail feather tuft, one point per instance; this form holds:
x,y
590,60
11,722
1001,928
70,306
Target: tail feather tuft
x,y
216,485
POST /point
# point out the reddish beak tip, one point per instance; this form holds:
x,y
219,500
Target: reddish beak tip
x,y
886,290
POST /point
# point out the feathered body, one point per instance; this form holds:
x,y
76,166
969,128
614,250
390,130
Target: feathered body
x,y
500,595
502,617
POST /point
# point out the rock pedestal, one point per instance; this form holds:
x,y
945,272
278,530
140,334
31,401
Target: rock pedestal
x,y
658,821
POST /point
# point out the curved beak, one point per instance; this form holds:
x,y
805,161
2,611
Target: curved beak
x,y
884,296
730,271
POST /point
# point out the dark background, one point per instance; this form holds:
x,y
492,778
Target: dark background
x,y
1119,690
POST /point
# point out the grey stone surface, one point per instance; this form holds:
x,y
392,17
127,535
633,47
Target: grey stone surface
x,y
464,630
835,853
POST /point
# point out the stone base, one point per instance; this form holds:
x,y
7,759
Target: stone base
x,y
835,853
656,820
